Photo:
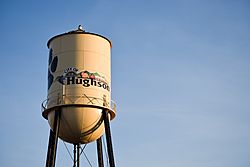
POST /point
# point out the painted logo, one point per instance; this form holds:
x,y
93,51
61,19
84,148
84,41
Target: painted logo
x,y
53,61
72,76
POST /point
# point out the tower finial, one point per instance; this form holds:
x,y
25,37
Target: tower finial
x,y
80,28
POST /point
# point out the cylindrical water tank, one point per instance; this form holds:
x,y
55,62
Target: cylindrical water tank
x,y
79,84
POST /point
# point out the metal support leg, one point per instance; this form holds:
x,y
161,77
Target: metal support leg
x,y
78,154
108,138
99,152
77,148
53,139
74,165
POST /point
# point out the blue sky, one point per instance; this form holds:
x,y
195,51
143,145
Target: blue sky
x,y
180,77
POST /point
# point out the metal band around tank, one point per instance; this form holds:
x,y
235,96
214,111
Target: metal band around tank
x,y
45,111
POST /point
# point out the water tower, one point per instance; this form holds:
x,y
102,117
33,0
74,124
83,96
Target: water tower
x,y
78,105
